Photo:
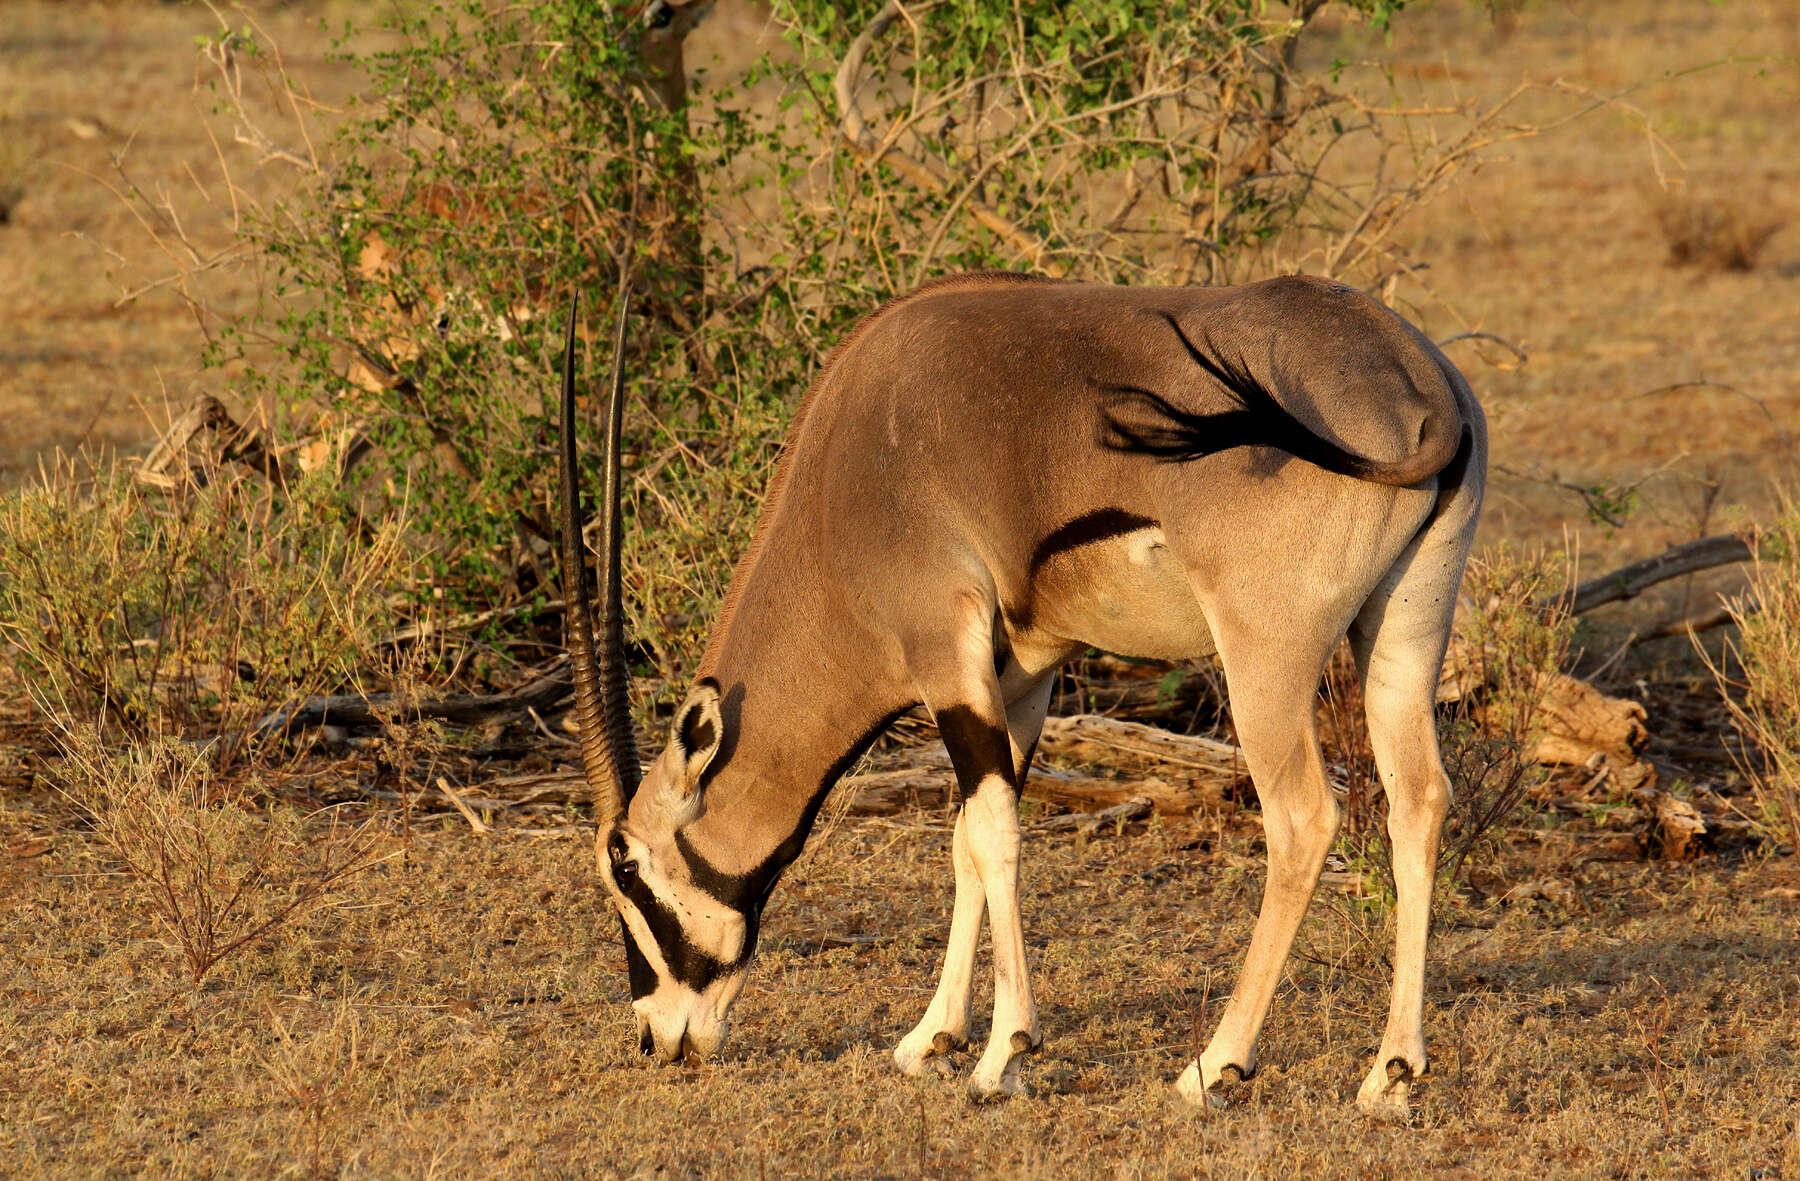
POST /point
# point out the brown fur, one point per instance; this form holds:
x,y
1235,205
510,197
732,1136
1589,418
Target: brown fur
x,y
902,545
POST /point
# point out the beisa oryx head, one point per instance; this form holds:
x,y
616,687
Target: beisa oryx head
x,y
688,930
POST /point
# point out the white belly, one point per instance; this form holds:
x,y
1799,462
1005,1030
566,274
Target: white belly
x,y
1125,594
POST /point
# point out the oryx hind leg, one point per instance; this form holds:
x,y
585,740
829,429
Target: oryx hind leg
x,y
1272,671
1399,639
945,1025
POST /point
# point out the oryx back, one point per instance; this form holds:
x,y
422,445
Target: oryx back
x,y
1109,459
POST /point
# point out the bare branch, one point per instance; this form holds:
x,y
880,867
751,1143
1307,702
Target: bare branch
x,y
1627,582
862,141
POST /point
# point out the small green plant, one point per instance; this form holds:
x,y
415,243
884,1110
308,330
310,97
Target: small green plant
x,y
221,869
1764,698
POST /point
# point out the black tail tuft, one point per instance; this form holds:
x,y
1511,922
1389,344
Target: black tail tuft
x,y
1142,422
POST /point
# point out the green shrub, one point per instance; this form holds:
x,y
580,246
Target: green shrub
x,y
503,158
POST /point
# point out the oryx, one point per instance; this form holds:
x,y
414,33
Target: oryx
x,y
990,475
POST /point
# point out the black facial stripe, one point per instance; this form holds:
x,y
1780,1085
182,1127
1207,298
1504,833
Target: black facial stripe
x,y
688,965
978,748
643,977
1086,529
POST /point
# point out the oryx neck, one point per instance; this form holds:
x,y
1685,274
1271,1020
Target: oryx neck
x,y
801,699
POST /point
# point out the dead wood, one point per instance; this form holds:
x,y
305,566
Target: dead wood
x,y
380,709
1092,738
1173,796
1694,623
1677,830
1627,582
1091,823
232,442
1576,722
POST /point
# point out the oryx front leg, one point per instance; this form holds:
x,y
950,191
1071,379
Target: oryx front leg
x,y
987,781
991,815
945,1026
1271,681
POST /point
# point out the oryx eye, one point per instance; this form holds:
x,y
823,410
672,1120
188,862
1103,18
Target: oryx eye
x,y
625,873
661,15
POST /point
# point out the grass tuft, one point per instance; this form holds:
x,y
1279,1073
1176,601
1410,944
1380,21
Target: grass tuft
x,y
193,610
1506,653
1713,233
221,869
1765,703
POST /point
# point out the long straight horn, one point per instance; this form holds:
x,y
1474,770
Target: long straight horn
x,y
602,701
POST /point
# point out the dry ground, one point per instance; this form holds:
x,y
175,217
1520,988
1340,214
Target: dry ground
x,y
492,1036
1642,1025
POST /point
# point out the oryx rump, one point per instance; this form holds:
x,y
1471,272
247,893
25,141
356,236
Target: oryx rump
x,y
991,475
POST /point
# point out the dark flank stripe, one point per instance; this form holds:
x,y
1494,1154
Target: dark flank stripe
x,y
1085,530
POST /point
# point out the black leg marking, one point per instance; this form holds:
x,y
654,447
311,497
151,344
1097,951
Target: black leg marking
x,y
977,749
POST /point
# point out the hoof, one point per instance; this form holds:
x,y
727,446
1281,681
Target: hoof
x,y
918,1054
1190,1087
1386,1095
998,1088
996,1076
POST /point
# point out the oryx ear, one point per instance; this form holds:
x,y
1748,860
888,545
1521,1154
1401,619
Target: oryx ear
x,y
695,737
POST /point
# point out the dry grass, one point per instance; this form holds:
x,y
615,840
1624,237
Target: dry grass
x,y
486,992
463,1013
1714,233
222,870
1764,695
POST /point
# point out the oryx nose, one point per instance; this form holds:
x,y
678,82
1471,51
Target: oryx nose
x,y
688,1052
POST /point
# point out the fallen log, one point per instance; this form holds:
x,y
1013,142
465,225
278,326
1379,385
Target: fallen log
x,y
1093,738
1175,796
385,709
1629,581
